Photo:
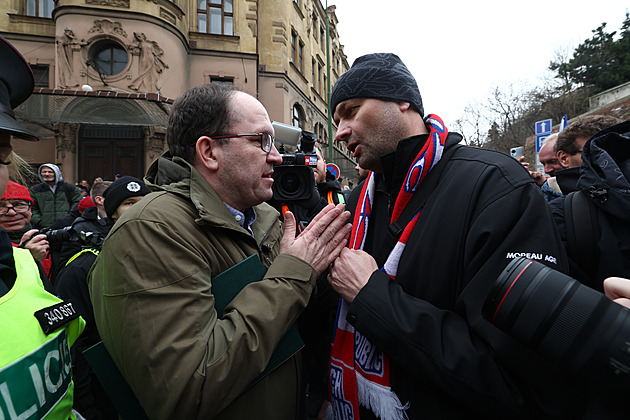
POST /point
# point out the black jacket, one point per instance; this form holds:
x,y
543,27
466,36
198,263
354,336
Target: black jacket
x,y
605,180
89,397
447,361
88,231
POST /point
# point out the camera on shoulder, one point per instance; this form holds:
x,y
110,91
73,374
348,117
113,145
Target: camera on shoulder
x,y
294,181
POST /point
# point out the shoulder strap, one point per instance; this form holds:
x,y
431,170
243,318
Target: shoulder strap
x,y
429,184
582,230
68,196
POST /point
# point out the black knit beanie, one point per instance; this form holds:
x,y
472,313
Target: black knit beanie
x,y
382,76
120,190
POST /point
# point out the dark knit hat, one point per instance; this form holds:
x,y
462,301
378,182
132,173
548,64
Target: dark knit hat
x,y
382,76
120,190
16,191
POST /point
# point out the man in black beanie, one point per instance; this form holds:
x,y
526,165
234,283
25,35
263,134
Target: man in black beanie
x,y
123,193
434,224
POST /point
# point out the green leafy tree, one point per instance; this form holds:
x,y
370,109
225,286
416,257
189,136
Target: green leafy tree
x,y
602,61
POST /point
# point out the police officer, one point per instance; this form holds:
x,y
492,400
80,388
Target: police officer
x,y
37,329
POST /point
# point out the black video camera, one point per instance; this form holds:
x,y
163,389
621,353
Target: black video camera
x,y
294,181
69,233
571,324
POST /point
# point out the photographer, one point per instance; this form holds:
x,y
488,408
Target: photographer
x,y
15,219
305,189
90,399
92,220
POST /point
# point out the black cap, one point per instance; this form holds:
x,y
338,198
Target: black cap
x,y
382,76
120,190
16,85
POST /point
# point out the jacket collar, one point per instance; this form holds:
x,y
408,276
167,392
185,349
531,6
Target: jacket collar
x,y
175,175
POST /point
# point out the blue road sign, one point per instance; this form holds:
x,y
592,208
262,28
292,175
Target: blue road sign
x,y
333,169
540,140
543,127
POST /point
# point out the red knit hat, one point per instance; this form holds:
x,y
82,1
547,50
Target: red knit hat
x,y
16,191
85,203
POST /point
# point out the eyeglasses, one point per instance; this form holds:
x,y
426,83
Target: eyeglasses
x,y
266,139
18,208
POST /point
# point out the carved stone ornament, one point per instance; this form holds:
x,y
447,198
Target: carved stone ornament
x,y
112,3
150,63
104,26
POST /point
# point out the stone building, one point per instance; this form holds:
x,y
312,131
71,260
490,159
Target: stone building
x,y
107,72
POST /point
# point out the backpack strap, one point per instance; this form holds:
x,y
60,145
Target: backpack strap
x,y
583,232
64,186
416,202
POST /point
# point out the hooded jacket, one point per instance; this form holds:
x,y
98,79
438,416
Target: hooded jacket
x,y
151,288
605,180
52,202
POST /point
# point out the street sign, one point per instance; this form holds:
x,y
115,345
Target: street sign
x,y
540,140
333,169
543,127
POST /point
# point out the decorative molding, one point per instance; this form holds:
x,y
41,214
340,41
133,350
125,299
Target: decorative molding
x,y
105,26
65,138
112,3
168,16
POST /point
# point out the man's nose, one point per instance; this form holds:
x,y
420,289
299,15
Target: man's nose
x,y
274,156
343,132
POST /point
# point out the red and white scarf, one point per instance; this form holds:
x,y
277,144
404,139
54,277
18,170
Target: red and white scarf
x,y
359,372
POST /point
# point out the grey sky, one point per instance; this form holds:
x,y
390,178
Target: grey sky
x,y
458,50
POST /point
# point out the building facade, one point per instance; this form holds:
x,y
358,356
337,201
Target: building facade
x,y
107,71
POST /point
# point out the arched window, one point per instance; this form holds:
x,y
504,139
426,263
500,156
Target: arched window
x,y
297,116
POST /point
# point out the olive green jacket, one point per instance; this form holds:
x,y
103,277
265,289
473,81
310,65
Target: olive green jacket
x,y
152,293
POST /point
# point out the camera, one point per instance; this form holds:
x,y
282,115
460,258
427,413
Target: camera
x,y
68,233
569,323
294,181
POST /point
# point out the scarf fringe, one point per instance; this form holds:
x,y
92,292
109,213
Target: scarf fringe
x,y
381,400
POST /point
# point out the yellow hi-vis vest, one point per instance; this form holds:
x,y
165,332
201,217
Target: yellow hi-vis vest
x,y
35,368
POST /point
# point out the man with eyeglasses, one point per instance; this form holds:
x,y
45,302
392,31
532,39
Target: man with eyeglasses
x,y
153,286
15,219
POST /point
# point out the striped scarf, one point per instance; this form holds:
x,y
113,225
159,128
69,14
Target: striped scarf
x,y
359,372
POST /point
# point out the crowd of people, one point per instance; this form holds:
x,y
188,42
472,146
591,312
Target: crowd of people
x,y
388,286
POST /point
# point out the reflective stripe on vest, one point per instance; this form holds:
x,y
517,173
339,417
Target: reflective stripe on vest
x,y
35,369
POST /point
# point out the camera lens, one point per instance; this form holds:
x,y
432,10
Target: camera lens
x,y
569,323
290,184
293,183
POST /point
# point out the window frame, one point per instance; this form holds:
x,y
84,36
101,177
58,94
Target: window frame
x,y
37,6
214,5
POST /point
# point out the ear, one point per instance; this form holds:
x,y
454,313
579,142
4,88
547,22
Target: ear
x,y
99,201
563,158
209,153
404,106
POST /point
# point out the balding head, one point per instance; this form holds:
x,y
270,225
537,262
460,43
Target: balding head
x,y
547,156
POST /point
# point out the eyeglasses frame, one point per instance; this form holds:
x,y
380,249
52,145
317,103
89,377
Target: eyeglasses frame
x,y
16,211
230,136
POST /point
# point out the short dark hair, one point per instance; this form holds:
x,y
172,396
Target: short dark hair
x,y
204,110
582,127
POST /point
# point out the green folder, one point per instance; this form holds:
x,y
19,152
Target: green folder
x,y
113,383
229,283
